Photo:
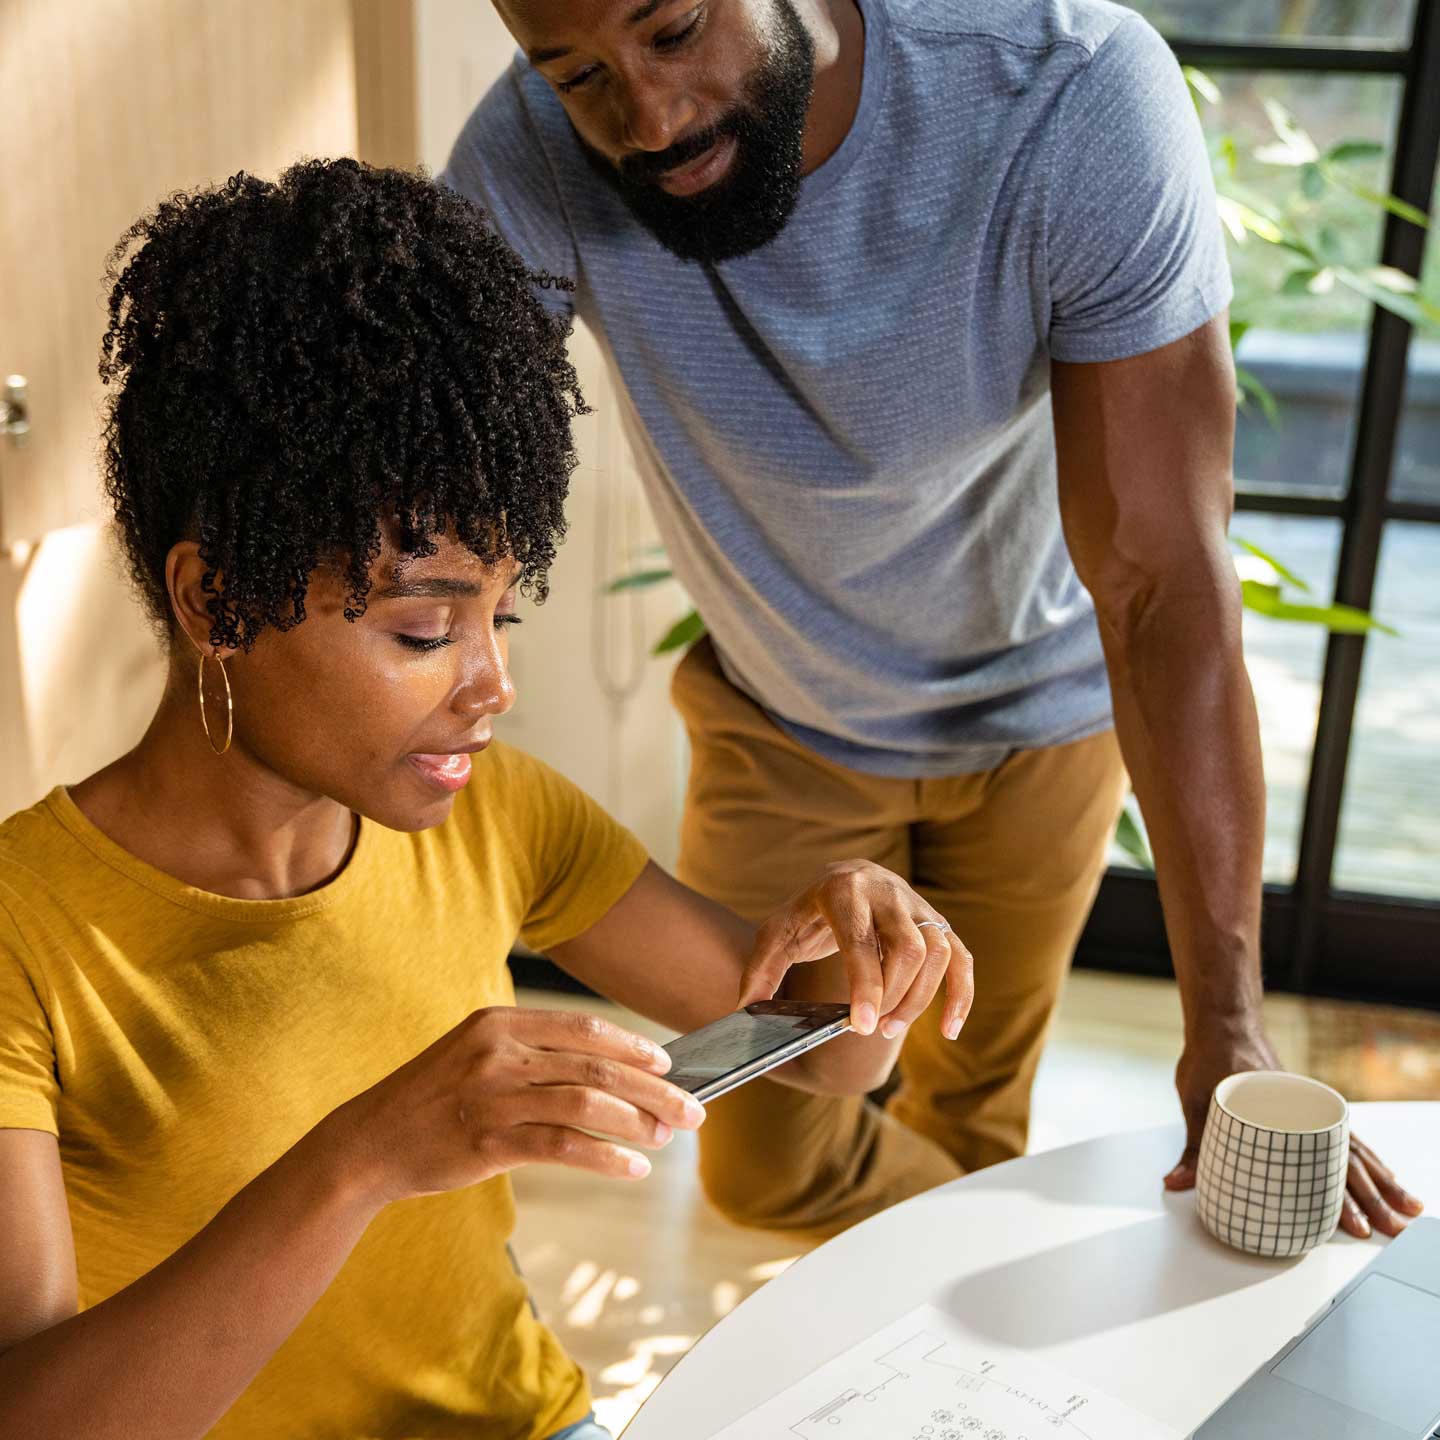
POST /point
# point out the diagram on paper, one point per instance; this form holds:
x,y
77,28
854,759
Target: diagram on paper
x,y
923,1378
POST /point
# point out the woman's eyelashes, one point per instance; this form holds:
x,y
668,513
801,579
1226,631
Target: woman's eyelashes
x,y
426,643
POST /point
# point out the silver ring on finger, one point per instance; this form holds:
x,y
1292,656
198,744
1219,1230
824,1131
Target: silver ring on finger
x,y
943,925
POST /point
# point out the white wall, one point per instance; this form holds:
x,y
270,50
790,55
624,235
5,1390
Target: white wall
x,y
591,702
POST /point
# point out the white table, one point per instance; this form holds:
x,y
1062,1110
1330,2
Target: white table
x,y
1076,1255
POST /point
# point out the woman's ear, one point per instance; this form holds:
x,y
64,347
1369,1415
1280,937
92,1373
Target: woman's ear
x,y
184,574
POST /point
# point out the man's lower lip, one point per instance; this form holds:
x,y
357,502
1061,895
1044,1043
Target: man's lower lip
x,y
448,777
703,175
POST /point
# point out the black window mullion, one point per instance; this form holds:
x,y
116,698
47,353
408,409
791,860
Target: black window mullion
x,y
1324,59
1365,506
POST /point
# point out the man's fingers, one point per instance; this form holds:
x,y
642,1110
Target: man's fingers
x,y
1396,1195
1182,1177
1367,1196
1353,1221
567,1030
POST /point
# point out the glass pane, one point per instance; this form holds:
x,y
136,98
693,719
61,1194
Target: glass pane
x,y
1381,24
1417,446
1285,661
1390,822
1306,349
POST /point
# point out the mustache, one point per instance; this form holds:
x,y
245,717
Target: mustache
x,y
647,168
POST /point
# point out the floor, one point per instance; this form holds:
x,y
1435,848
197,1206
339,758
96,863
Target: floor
x,y
630,1276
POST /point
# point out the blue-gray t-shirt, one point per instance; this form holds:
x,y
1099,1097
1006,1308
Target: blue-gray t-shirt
x,y
845,435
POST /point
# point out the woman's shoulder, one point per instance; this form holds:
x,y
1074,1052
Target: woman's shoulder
x,y
37,837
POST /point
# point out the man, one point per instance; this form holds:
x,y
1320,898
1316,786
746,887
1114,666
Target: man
x,y
917,314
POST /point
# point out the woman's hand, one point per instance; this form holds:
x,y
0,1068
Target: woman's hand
x,y
509,1087
897,949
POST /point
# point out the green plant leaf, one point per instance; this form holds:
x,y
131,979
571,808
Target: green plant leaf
x,y
638,580
1327,245
1131,841
685,631
1348,150
1298,282
1378,285
1402,208
1312,181
1238,329
1251,388
1240,219
1201,84
1283,571
1292,137
1345,619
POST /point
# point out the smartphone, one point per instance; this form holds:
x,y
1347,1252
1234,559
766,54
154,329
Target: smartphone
x,y
718,1057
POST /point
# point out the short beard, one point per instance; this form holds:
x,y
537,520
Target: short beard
x,y
748,207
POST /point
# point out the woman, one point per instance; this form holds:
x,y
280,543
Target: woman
x,y
261,1074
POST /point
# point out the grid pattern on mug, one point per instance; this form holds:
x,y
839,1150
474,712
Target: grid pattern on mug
x,y
1267,1192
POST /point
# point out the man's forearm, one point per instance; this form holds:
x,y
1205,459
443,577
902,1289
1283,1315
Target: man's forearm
x,y
1185,716
169,1354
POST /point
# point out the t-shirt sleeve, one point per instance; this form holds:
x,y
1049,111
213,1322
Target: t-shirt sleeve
x,y
1134,246
581,860
500,163
29,1091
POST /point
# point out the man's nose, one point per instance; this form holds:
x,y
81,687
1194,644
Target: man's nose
x,y
654,115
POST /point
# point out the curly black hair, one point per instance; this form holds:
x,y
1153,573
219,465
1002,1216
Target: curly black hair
x,y
300,363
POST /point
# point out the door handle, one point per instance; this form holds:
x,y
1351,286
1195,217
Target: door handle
x,y
14,409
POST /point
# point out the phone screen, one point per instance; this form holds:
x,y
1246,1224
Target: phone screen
x,y
772,1030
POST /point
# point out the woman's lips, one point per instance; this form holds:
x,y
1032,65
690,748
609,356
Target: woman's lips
x,y
444,772
704,172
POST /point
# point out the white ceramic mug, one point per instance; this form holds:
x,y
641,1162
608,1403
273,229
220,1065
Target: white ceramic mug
x,y
1273,1162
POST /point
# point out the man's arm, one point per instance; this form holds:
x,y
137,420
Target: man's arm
x,y
1146,491
669,953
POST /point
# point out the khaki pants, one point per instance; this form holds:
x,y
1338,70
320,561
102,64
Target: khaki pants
x,y
1011,857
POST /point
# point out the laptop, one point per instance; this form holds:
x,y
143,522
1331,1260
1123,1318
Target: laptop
x,y
1367,1367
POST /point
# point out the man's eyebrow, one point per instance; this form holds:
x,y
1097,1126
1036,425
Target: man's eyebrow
x,y
555,52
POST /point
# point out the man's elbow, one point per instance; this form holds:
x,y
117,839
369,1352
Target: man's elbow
x,y
1168,597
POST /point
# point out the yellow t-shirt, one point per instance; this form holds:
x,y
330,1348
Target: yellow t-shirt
x,y
178,1042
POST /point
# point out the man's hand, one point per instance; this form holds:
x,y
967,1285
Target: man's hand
x,y
1374,1199
897,949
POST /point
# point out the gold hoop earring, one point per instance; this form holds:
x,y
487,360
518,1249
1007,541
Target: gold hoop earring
x,y
229,703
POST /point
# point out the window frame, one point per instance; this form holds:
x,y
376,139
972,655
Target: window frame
x,y
1317,939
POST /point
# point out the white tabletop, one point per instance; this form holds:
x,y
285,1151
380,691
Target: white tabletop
x,y
1076,1255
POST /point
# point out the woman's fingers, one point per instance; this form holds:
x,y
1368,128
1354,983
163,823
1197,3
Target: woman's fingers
x,y
582,1108
559,1145
574,1074
923,985
567,1030
779,943
959,987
